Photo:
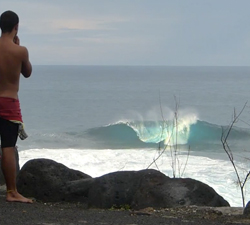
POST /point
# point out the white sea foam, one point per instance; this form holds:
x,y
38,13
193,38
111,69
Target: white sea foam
x,y
218,174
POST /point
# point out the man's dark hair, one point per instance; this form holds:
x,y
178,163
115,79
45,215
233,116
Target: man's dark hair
x,y
8,20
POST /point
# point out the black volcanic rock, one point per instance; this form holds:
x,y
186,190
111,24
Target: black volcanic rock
x,y
47,180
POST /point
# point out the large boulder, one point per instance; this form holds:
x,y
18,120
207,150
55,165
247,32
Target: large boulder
x,y
47,180
146,188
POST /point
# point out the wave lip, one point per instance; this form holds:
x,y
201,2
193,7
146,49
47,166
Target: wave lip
x,y
142,134
170,132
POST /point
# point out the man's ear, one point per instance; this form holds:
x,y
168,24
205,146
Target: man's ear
x,y
16,28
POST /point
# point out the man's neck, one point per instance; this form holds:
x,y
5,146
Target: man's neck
x,y
7,35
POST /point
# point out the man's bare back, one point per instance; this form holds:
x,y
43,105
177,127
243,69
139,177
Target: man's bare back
x,y
14,60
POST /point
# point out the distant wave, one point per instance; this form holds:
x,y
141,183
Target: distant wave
x,y
189,131
148,134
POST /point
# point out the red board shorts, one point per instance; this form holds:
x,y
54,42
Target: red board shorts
x,y
9,110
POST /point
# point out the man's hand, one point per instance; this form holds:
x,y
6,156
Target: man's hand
x,y
16,40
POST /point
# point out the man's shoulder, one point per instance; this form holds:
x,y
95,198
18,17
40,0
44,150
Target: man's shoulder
x,y
13,47
21,50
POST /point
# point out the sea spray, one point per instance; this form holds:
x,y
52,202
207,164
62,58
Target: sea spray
x,y
172,131
178,130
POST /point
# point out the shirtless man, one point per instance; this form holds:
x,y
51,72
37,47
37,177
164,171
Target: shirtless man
x,y
14,60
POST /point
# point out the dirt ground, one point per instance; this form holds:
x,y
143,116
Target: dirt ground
x,y
75,213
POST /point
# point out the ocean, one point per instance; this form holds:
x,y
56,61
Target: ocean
x,y
101,119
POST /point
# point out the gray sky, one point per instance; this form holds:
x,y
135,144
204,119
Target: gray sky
x,y
134,32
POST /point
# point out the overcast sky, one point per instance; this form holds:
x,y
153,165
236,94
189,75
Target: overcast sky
x,y
134,32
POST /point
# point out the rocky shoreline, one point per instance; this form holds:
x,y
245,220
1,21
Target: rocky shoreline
x,y
65,196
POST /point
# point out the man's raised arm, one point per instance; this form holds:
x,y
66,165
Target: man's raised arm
x,y
26,65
